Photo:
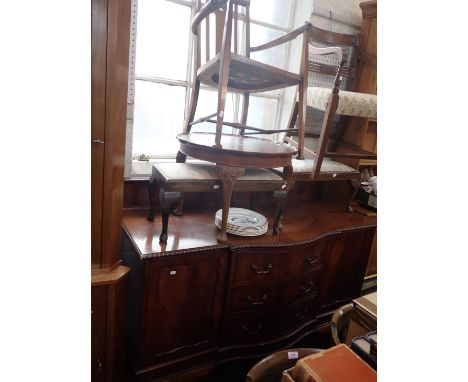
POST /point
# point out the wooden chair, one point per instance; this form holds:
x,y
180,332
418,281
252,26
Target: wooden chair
x,y
229,70
270,368
318,153
340,323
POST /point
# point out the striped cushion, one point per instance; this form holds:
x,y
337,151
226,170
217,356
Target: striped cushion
x,y
350,103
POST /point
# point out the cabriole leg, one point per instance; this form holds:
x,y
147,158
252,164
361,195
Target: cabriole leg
x,y
169,201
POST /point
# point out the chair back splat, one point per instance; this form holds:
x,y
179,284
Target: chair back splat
x,y
331,61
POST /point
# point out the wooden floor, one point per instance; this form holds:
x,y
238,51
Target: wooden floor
x,y
196,228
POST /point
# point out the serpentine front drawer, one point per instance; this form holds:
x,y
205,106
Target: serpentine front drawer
x,y
277,264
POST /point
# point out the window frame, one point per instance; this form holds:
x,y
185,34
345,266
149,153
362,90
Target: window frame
x,y
187,83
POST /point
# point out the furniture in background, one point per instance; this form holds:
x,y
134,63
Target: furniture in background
x,y
354,319
230,70
270,369
363,316
336,364
110,31
340,323
195,302
362,132
321,153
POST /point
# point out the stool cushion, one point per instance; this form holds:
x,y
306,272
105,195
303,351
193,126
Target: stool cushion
x,y
350,103
207,171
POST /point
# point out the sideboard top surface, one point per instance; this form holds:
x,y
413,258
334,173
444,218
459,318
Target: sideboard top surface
x,y
197,230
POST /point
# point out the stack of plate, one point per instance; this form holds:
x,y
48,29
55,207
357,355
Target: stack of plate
x,y
243,222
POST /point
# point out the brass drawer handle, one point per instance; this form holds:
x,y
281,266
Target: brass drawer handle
x,y
255,331
308,288
264,272
250,300
302,316
313,259
97,140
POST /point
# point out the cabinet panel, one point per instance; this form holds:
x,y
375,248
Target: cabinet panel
x,y
98,122
98,332
344,273
116,112
277,264
182,306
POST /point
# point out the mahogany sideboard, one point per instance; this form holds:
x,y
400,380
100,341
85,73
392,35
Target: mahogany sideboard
x,y
194,303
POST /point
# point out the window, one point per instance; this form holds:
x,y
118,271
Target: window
x,y
163,67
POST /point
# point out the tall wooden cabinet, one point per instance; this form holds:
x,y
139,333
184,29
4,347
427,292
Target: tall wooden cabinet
x,y
110,31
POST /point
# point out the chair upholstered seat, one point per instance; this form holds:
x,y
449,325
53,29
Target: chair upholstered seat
x,y
350,103
328,165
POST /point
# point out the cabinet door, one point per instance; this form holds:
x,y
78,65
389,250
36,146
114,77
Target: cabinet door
x,y
344,273
98,121
181,305
98,332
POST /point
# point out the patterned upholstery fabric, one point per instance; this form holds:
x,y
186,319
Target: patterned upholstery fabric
x,y
207,171
350,103
306,165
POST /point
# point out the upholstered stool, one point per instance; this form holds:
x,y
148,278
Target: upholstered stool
x,y
176,178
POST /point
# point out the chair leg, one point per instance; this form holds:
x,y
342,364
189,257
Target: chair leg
x,y
151,194
354,185
193,106
254,199
228,175
293,116
179,210
301,120
169,201
280,197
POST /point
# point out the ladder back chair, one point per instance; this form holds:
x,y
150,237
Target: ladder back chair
x,y
230,70
318,153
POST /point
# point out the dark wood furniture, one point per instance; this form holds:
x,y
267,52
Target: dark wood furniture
x,y
270,369
110,28
196,302
175,178
340,322
229,70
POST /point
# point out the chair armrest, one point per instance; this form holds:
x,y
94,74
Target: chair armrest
x,y
283,39
206,10
340,319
